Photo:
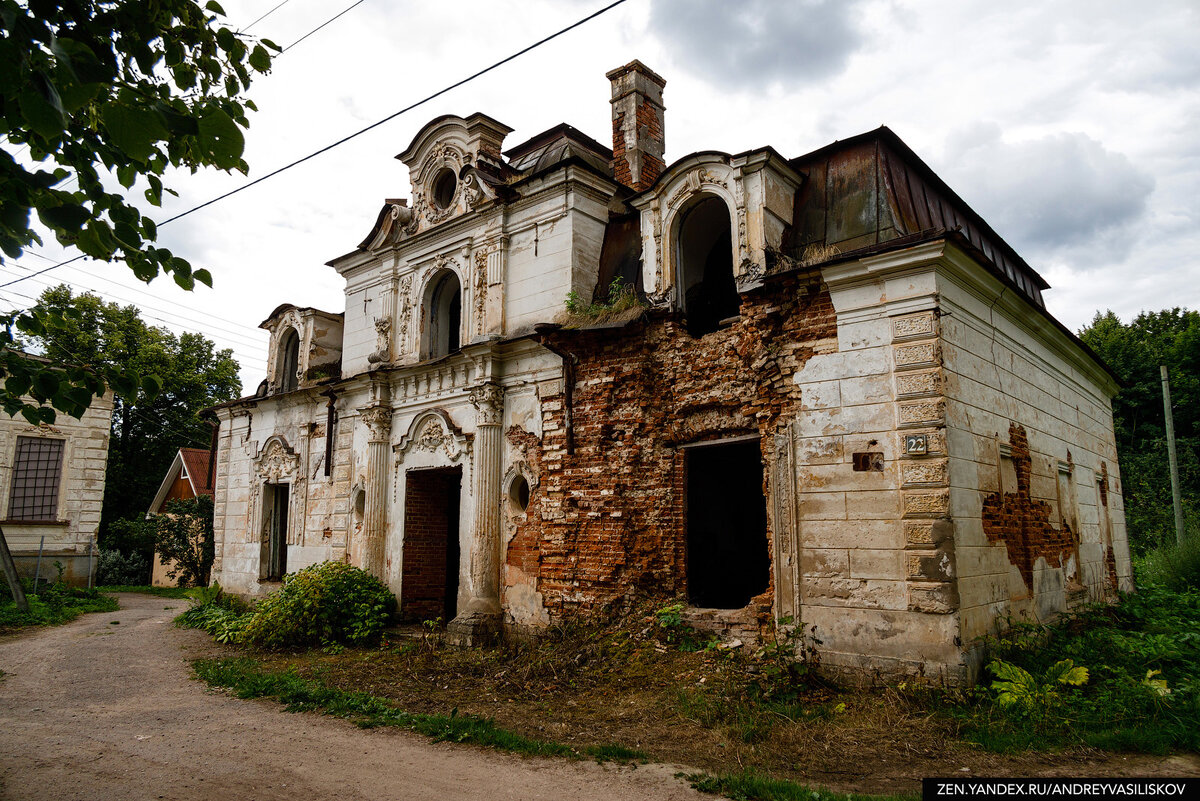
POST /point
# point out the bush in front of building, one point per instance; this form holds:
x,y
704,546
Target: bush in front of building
x,y
116,568
331,602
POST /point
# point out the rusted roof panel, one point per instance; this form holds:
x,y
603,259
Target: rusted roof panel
x,y
872,188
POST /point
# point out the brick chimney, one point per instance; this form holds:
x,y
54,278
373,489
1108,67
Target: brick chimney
x,y
637,115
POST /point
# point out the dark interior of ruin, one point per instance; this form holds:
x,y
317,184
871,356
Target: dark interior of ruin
x,y
706,267
727,561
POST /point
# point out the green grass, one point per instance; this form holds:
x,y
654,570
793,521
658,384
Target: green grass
x,y
299,694
1119,708
53,606
750,785
1172,567
162,592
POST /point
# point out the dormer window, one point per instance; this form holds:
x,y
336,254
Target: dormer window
x,y
444,316
289,361
444,185
704,253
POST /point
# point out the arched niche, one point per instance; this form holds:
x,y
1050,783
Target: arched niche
x,y
703,249
441,315
287,363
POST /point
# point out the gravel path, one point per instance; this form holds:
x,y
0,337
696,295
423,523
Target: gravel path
x,y
106,708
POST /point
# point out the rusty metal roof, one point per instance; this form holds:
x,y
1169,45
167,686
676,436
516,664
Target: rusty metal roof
x,y
556,145
873,188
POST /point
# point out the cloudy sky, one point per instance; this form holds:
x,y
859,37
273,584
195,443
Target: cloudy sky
x,y
1069,125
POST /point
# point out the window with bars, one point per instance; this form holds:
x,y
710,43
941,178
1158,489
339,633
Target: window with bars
x,y
37,473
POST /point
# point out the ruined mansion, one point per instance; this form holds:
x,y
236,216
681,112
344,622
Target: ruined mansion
x,y
828,392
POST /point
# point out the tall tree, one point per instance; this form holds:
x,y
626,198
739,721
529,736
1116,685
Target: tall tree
x,y
101,92
147,430
1135,351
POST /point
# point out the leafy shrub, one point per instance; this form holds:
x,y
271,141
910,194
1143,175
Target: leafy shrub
x,y
57,603
332,602
114,567
1017,688
184,537
222,615
1142,692
1174,567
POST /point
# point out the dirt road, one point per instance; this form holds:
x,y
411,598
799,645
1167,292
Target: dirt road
x,y
105,708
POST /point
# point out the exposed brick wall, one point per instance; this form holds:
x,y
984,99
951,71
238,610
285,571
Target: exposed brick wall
x,y
1110,557
648,119
608,519
427,523
1022,523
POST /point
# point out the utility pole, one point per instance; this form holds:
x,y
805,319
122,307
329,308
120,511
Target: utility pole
x,y
1176,497
10,573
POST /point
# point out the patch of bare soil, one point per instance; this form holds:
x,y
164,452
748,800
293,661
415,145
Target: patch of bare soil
x,y
715,709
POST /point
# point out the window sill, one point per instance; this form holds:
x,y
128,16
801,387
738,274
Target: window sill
x,y
35,522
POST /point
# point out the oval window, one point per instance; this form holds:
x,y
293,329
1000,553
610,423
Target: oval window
x,y
518,494
444,184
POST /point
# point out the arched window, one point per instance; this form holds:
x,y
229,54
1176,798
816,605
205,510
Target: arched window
x,y
444,316
704,255
289,361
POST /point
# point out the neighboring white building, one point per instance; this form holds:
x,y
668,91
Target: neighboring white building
x,y
52,490
843,401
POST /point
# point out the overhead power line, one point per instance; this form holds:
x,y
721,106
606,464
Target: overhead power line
x,y
124,288
319,27
264,16
242,357
361,131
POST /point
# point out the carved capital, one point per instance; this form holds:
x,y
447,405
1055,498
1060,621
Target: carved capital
x,y
378,420
488,400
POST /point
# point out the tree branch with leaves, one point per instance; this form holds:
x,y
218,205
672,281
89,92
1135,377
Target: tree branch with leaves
x,y
104,92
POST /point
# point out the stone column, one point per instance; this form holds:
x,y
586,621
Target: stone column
x,y
378,420
479,622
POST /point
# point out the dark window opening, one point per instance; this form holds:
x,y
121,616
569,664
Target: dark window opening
x,y
443,188
445,317
705,258
429,580
518,494
275,506
37,473
727,560
289,363
868,462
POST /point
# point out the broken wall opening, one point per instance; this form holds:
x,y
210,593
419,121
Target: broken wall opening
x,y
429,579
727,558
705,256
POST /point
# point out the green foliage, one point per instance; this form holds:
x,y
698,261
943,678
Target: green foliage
x,y
147,428
99,90
212,610
325,603
1172,567
58,603
1148,643
787,663
677,633
301,694
114,567
1135,351
184,535
1016,687
621,297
